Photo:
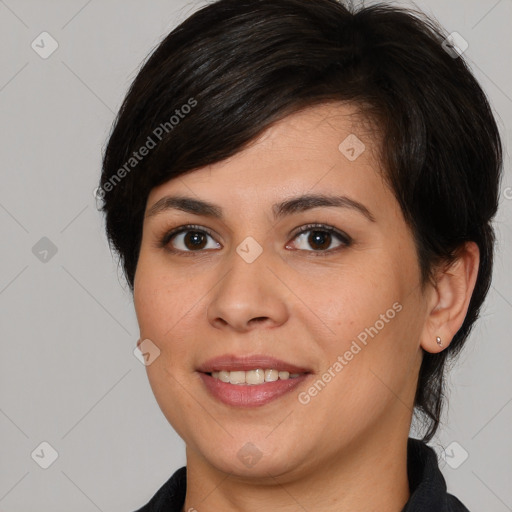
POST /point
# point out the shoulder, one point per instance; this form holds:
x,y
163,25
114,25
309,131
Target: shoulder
x,y
426,482
171,496
454,505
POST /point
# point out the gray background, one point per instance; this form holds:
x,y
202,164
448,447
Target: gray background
x,y
68,375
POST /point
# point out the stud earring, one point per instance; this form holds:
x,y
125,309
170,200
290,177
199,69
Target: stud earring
x,y
439,342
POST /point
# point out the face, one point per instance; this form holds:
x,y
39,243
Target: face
x,y
330,287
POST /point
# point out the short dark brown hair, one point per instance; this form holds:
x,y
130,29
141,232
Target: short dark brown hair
x,y
234,67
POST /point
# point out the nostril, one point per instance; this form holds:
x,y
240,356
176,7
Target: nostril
x,y
259,319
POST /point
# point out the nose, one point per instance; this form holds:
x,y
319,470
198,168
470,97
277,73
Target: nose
x,y
250,295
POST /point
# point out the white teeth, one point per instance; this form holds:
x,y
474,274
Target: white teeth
x,y
237,377
271,375
253,377
223,376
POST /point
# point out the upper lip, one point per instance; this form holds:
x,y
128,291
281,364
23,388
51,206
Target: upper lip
x,y
232,362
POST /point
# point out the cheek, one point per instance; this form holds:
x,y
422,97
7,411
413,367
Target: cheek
x,y
162,313
353,301
363,335
171,312
161,298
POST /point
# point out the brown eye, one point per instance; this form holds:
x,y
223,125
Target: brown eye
x,y
194,240
188,239
320,239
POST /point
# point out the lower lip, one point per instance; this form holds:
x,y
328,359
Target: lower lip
x,y
250,395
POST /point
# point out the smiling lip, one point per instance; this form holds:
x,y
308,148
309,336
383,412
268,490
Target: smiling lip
x,y
249,395
231,362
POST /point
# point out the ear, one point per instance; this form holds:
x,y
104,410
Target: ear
x,y
449,301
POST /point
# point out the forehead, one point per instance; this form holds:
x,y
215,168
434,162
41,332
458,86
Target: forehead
x,y
316,150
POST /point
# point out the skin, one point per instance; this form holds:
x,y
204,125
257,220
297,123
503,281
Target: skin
x,y
344,450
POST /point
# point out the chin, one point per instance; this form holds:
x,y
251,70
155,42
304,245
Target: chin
x,y
254,459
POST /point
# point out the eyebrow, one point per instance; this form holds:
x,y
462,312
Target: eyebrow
x,y
288,207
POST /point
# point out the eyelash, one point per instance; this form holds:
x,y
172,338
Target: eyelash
x,y
342,237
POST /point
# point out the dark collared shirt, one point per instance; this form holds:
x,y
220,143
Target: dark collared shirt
x,y
426,483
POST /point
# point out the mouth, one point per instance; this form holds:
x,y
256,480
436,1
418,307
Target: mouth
x,y
253,377
249,381
232,363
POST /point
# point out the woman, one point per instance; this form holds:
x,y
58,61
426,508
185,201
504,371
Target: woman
x,y
301,196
